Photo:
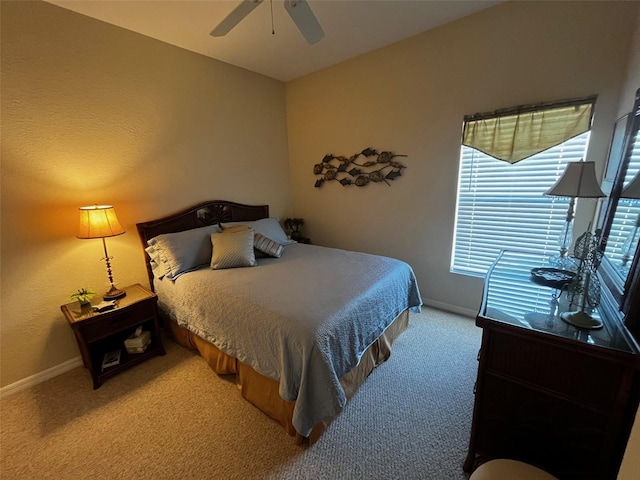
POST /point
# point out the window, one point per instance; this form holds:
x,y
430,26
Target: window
x,y
502,206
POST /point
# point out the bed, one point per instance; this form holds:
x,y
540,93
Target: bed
x,y
301,329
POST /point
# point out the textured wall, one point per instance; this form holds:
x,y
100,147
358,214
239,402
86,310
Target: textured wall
x,y
92,113
411,97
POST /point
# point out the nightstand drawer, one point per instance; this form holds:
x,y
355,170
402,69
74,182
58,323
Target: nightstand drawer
x,y
106,324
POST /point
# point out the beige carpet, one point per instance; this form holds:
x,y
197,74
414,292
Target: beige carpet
x,y
173,418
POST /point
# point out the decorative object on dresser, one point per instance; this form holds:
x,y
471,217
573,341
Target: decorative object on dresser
x,y
577,181
99,333
552,277
346,171
584,290
100,221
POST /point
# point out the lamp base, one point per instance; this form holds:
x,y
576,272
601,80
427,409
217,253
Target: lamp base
x,y
581,320
114,293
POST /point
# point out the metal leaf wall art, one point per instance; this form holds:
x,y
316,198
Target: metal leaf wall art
x,y
375,167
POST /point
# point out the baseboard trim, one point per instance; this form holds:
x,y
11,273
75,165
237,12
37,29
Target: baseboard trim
x,y
40,377
450,308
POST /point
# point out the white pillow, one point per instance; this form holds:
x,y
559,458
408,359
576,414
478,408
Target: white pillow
x,y
185,251
268,227
233,249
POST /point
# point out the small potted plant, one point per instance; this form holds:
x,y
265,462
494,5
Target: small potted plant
x,y
83,296
293,225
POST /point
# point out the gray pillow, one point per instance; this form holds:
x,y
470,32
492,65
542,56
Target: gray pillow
x,y
232,249
185,251
268,227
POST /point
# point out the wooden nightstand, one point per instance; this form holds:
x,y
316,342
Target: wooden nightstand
x,y
100,332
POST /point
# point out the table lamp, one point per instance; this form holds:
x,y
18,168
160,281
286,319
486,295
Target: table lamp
x,y
577,181
100,221
631,191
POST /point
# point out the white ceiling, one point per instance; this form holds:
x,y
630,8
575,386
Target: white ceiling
x,y
352,27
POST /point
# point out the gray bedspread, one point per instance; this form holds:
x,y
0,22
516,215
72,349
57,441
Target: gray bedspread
x,y
303,319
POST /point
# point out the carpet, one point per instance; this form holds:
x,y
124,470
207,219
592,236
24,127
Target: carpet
x,y
173,417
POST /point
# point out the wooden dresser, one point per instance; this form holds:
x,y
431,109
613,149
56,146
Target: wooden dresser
x,y
548,393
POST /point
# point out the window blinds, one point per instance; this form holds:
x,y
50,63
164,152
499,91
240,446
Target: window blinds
x,y
625,217
502,206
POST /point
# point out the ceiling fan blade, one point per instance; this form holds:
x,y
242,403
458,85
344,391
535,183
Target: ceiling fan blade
x,y
235,17
305,20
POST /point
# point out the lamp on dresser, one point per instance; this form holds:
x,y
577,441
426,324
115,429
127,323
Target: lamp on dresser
x,y
577,181
100,221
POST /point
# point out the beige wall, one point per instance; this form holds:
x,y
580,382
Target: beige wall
x,y
411,97
92,113
632,78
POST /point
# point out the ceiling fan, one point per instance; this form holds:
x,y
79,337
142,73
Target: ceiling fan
x,y
299,10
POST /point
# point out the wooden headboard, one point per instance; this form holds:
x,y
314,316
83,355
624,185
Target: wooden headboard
x,y
203,214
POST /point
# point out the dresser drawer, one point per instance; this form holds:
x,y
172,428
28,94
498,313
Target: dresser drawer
x,y
106,324
573,374
534,427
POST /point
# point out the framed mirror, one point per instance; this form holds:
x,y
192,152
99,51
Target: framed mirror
x,y
619,220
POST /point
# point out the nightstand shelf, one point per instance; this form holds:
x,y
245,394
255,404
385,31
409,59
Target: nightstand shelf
x,y
98,333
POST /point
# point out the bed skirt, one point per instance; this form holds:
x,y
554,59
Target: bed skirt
x,y
262,391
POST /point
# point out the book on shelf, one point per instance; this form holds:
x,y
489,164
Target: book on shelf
x,y
110,359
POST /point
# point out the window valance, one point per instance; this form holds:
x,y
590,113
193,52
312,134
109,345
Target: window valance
x,y
513,134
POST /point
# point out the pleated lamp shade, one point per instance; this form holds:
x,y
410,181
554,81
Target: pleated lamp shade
x,y
99,221
633,189
578,180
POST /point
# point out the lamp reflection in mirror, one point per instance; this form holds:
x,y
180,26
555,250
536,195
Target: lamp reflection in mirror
x,y
577,181
100,221
631,191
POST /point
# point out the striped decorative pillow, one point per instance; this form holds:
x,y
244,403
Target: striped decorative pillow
x,y
266,245
232,249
